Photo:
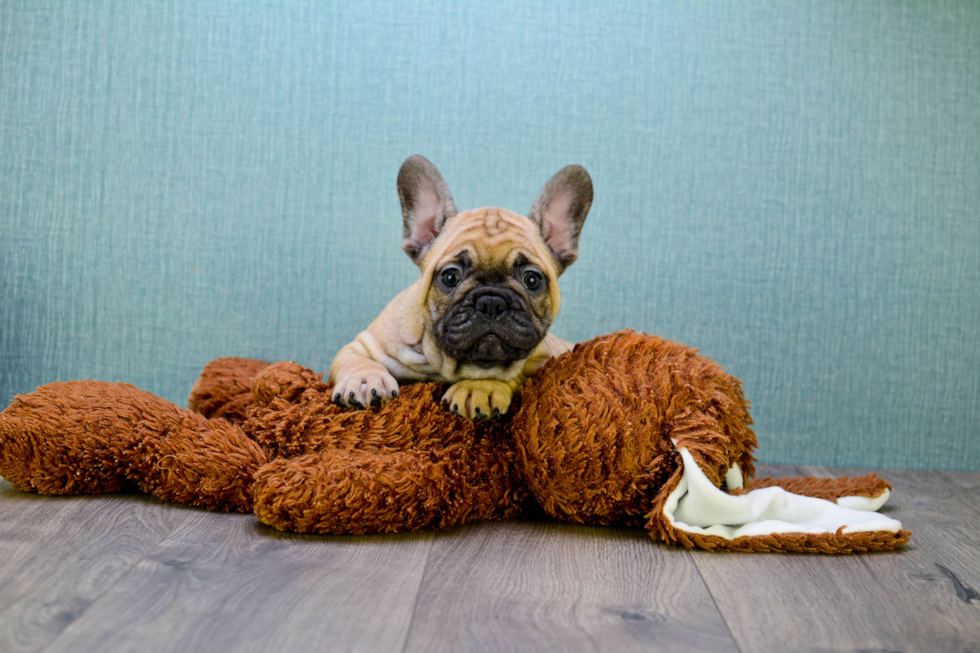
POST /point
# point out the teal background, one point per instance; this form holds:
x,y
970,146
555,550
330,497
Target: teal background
x,y
792,187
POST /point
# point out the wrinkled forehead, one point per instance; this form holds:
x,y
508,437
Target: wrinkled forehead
x,y
490,236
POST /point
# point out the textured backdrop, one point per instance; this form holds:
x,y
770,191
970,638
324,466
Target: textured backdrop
x,y
792,187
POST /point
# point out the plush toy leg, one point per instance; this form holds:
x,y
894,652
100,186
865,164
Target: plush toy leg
x,y
694,512
86,437
357,491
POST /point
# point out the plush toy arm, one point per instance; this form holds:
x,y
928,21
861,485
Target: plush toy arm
x,y
87,437
286,382
224,388
228,387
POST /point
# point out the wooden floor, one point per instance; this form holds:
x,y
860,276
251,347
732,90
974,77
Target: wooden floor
x,y
129,573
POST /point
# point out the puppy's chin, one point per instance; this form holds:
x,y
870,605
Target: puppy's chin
x,y
490,351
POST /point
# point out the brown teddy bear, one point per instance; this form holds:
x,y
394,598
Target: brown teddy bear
x,y
626,429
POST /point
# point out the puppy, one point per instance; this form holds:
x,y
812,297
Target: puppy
x,y
479,316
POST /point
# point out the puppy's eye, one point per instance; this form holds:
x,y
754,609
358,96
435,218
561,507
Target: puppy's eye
x,y
450,277
532,279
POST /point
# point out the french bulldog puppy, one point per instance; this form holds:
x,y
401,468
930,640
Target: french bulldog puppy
x,y
478,317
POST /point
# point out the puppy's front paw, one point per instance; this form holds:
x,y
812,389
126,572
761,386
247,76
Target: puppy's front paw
x,y
478,399
365,389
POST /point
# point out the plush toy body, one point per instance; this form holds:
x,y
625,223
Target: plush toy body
x,y
626,429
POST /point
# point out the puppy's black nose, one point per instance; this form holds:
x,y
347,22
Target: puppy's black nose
x,y
490,306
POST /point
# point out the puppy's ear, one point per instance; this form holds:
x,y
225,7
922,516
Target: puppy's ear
x,y
560,212
426,205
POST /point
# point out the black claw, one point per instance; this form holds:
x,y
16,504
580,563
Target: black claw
x,y
394,394
354,403
455,409
336,399
496,412
375,399
479,415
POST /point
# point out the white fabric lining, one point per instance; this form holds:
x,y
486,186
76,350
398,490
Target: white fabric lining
x,y
697,506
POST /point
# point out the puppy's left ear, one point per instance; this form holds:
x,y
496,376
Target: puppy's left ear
x,y
560,212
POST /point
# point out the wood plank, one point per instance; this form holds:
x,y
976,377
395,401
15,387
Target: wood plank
x,y
227,583
549,586
942,509
58,555
886,601
125,572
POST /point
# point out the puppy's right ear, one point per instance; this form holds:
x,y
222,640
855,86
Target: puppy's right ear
x,y
426,205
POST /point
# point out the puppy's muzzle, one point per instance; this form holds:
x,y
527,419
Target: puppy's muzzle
x,y
490,327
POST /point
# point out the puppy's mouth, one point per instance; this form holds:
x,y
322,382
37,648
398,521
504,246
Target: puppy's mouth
x,y
489,328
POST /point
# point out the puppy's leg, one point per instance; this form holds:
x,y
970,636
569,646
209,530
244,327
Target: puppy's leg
x,y
359,379
482,398
363,371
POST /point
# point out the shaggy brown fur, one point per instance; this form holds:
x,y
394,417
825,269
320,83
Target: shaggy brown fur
x,y
591,443
597,433
90,437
